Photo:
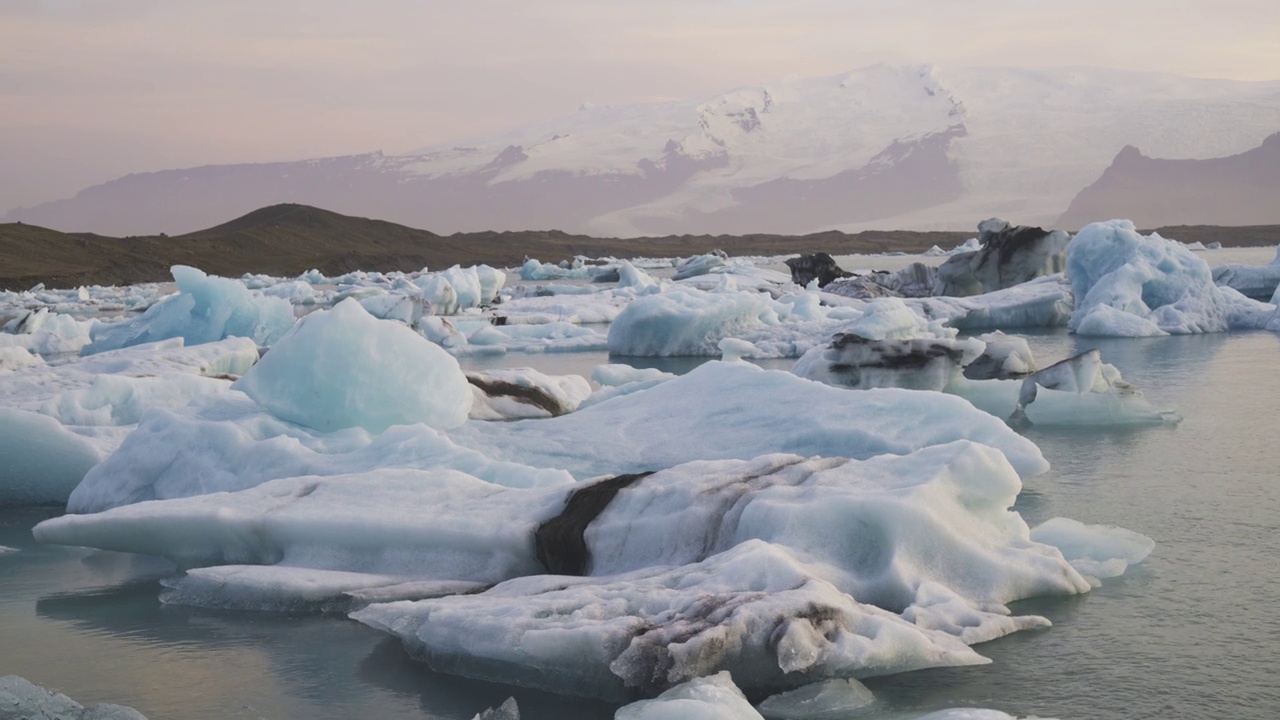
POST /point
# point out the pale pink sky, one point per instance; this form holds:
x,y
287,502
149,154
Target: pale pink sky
x,y
93,89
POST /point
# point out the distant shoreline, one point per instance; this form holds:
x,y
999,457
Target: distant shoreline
x,y
287,240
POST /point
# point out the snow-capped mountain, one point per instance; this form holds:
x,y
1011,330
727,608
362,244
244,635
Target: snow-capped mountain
x,y
881,147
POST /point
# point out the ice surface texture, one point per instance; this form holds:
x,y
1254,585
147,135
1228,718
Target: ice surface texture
x,y
344,368
59,420
206,309
23,700
1130,285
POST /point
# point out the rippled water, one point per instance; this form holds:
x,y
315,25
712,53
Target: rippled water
x,y
1192,633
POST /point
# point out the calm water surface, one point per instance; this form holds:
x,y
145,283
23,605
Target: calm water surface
x,y
1194,632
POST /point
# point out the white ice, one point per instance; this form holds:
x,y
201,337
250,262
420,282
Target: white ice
x,y
21,699
61,419
344,368
514,393
755,611
1251,281
687,322
714,697
206,308
826,700
1130,285
45,333
736,410
1100,551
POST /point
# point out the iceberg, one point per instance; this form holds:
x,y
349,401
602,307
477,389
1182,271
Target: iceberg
x,y
344,368
687,322
755,611
62,419
724,410
1258,283
1130,285
1006,256
206,309
515,393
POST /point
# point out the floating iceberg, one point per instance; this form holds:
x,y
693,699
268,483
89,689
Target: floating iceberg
x,y
515,393
206,309
344,368
1007,256
736,410
687,322
755,611
1130,285
42,332
1259,283
60,420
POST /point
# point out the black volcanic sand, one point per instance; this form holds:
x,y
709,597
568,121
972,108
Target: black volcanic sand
x,y
286,240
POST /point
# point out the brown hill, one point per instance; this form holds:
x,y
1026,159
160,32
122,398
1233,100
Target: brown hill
x,y
290,239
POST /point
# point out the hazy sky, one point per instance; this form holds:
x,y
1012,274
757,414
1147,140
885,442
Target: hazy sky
x,y
93,89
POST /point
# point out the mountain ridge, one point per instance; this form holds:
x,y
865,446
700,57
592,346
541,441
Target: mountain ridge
x,y
1241,189
914,147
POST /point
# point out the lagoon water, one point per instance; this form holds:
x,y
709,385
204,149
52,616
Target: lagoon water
x,y
1194,632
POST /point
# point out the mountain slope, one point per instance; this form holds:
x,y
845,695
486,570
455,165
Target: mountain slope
x,y
884,146
1241,189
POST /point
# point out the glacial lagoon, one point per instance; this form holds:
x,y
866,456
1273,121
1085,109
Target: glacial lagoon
x,y
1190,632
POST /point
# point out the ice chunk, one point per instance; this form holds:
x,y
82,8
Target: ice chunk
x,y
535,270
13,357
687,322
1259,283
20,699
1084,390
755,611
629,276
883,526
826,700
42,332
344,368
61,419
1007,256
700,264
1100,551
424,524
228,443
852,361
6,550
206,309
1130,285
513,393
714,697
42,461
732,349
508,710
736,410
1004,357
